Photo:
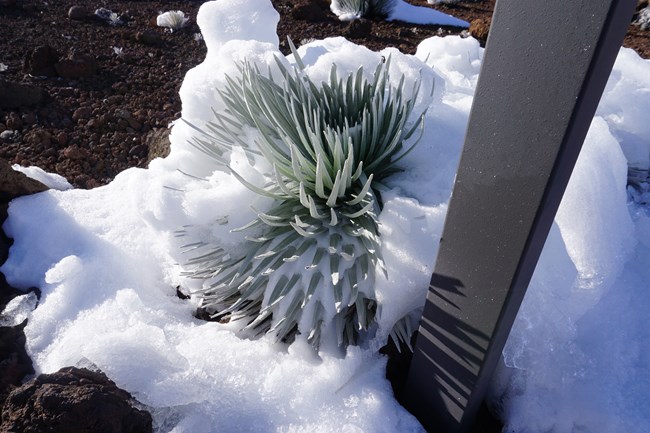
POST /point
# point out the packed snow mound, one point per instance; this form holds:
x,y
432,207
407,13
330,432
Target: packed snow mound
x,y
107,263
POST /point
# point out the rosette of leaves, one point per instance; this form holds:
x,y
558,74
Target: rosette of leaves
x,y
364,8
312,269
173,20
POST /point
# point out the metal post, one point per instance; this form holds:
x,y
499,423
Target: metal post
x,y
544,70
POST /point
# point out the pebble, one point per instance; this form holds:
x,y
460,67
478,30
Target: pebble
x,y
76,66
62,138
6,135
16,95
13,121
40,61
479,28
120,87
128,118
29,119
137,150
82,113
148,37
38,139
308,10
77,12
358,28
81,180
73,152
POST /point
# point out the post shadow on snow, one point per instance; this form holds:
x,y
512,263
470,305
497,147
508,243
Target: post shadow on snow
x,y
543,72
437,342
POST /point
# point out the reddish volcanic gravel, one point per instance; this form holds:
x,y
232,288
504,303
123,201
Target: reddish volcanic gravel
x,y
95,99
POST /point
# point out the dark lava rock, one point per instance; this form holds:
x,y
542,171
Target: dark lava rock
x,y
77,13
74,152
15,184
148,37
307,10
480,28
82,113
7,2
12,184
14,361
40,61
13,121
72,400
77,66
15,95
358,28
157,141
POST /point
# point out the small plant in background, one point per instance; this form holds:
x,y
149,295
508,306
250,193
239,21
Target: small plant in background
x,y
310,266
173,20
643,18
108,16
350,9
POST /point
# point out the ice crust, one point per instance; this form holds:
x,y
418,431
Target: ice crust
x,y
577,359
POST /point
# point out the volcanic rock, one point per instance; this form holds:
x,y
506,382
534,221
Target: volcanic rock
x,y
15,95
15,184
480,28
157,140
40,61
82,113
307,10
77,66
14,361
72,400
148,37
359,28
13,121
77,13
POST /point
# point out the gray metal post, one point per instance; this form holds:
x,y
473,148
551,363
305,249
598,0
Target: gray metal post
x,y
544,70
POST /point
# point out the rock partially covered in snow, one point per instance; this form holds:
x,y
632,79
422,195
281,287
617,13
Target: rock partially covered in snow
x,y
73,400
15,184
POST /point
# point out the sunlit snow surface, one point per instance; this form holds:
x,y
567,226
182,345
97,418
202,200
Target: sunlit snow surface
x,y
409,13
406,12
106,260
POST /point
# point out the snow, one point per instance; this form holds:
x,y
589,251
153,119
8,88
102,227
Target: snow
x,y
577,357
51,180
106,261
405,12
409,13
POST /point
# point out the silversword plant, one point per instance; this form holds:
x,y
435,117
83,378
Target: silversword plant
x,y
363,8
173,20
310,267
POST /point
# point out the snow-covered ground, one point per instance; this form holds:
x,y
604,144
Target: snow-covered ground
x,y
403,11
577,360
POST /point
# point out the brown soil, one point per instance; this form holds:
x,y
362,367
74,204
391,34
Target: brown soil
x,y
88,129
